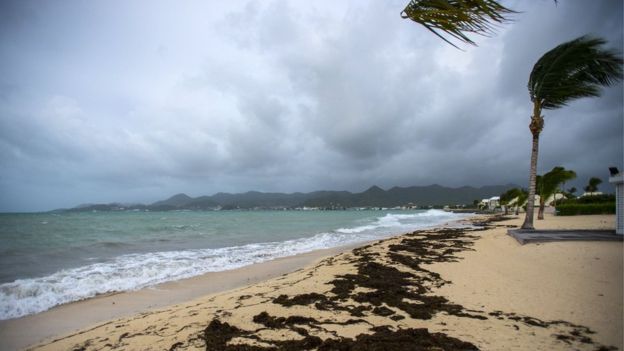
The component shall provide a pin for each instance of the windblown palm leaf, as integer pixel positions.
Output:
(508, 196)
(548, 184)
(522, 197)
(572, 70)
(551, 181)
(457, 17)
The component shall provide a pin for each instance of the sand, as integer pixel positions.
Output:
(435, 289)
(22, 332)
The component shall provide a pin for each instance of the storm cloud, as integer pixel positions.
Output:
(134, 101)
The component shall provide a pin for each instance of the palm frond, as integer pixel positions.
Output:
(457, 17)
(573, 70)
(549, 182)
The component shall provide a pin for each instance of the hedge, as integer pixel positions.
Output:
(585, 209)
(590, 199)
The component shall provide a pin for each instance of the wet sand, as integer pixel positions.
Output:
(443, 288)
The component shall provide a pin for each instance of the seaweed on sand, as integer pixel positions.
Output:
(217, 336)
(392, 284)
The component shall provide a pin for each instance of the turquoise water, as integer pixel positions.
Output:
(48, 259)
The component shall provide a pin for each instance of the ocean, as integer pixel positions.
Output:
(47, 259)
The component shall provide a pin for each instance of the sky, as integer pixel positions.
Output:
(134, 101)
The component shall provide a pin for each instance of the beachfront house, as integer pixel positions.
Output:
(617, 179)
(555, 198)
(490, 203)
(550, 202)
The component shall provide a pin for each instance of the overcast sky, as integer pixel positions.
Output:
(134, 101)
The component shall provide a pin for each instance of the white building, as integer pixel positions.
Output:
(618, 181)
(591, 194)
(490, 203)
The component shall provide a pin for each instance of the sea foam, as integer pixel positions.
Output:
(134, 271)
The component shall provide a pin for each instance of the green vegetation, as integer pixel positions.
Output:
(457, 17)
(592, 185)
(570, 193)
(587, 205)
(522, 200)
(585, 209)
(548, 184)
(507, 197)
(593, 199)
(516, 197)
(570, 71)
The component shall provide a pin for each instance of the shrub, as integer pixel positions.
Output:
(592, 199)
(572, 209)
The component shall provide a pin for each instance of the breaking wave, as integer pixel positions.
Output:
(134, 271)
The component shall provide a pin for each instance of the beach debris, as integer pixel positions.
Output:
(218, 334)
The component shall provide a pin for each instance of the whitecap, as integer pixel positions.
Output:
(135, 271)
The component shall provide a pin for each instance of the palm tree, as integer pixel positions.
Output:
(592, 185)
(548, 185)
(507, 197)
(457, 17)
(572, 70)
(523, 195)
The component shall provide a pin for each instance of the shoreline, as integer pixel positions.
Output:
(37, 280)
(477, 288)
(27, 331)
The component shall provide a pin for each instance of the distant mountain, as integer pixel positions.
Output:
(103, 208)
(431, 195)
(176, 200)
(421, 196)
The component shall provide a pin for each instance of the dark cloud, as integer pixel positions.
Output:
(134, 102)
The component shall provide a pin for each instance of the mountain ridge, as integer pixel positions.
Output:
(417, 196)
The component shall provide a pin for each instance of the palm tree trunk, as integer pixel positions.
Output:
(536, 126)
(528, 220)
(540, 212)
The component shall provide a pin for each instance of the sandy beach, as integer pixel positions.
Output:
(21, 332)
(445, 288)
